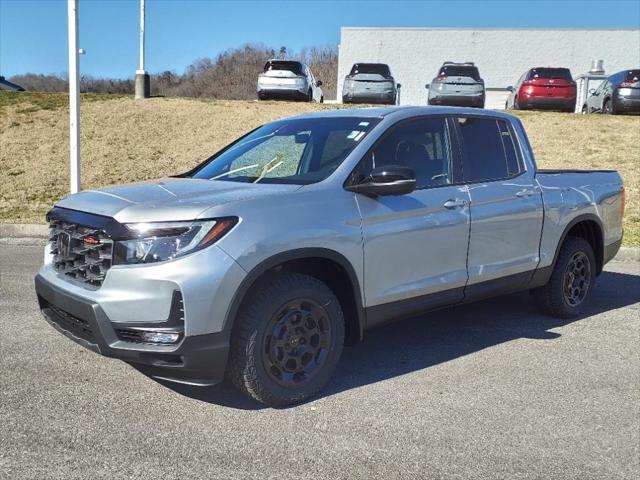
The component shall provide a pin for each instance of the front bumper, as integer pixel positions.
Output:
(197, 360)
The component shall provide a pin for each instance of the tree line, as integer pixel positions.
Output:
(231, 75)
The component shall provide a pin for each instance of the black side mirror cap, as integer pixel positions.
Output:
(510, 88)
(319, 83)
(398, 85)
(387, 180)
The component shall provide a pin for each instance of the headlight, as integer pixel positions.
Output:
(157, 242)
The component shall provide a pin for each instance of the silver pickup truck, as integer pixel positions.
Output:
(264, 260)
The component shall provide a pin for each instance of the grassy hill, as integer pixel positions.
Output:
(125, 140)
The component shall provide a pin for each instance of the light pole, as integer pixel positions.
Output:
(74, 97)
(143, 85)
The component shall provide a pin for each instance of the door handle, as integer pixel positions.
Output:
(525, 193)
(454, 203)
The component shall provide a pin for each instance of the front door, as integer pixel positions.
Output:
(415, 245)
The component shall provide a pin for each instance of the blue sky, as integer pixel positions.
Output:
(33, 33)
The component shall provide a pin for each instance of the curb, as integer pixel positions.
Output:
(31, 231)
(23, 230)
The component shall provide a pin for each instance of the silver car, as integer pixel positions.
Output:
(457, 84)
(290, 80)
(266, 259)
(370, 83)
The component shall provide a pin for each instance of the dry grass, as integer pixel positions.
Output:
(124, 141)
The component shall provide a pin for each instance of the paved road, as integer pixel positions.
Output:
(492, 390)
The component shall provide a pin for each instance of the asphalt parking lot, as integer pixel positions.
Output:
(491, 390)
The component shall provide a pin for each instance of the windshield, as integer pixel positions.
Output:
(300, 151)
(554, 73)
(374, 68)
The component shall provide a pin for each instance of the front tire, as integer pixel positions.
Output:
(287, 339)
(569, 289)
(607, 109)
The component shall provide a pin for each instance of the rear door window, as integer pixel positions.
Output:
(489, 150)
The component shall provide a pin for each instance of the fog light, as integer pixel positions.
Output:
(159, 337)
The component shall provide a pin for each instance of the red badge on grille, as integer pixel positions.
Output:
(91, 240)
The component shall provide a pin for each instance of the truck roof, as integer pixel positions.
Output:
(404, 112)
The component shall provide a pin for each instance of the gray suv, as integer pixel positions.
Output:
(370, 83)
(620, 93)
(265, 260)
(457, 84)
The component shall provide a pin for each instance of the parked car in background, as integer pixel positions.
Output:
(289, 80)
(620, 93)
(262, 262)
(457, 84)
(370, 83)
(544, 88)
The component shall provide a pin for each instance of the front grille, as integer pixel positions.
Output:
(80, 253)
(70, 323)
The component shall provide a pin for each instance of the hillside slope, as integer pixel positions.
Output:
(125, 140)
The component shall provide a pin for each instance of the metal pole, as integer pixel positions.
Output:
(142, 83)
(74, 97)
(141, 69)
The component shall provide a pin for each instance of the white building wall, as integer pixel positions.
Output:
(502, 55)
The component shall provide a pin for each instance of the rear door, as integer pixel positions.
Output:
(415, 245)
(506, 206)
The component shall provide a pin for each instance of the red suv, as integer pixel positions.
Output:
(544, 88)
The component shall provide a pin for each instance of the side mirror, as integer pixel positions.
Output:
(319, 83)
(592, 91)
(510, 88)
(399, 85)
(426, 85)
(387, 180)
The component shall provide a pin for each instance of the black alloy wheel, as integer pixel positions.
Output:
(287, 339)
(297, 342)
(571, 284)
(577, 279)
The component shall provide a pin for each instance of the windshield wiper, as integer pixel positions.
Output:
(234, 171)
(271, 165)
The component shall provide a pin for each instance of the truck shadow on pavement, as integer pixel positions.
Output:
(418, 343)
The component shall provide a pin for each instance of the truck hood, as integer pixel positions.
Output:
(168, 199)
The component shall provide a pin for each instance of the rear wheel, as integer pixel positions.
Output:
(569, 288)
(287, 340)
(516, 104)
(322, 99)
(585, 110)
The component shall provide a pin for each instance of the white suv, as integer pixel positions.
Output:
(291, 80)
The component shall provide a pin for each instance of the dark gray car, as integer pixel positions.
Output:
(370, 83)
(457, 84)
(620, 93)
